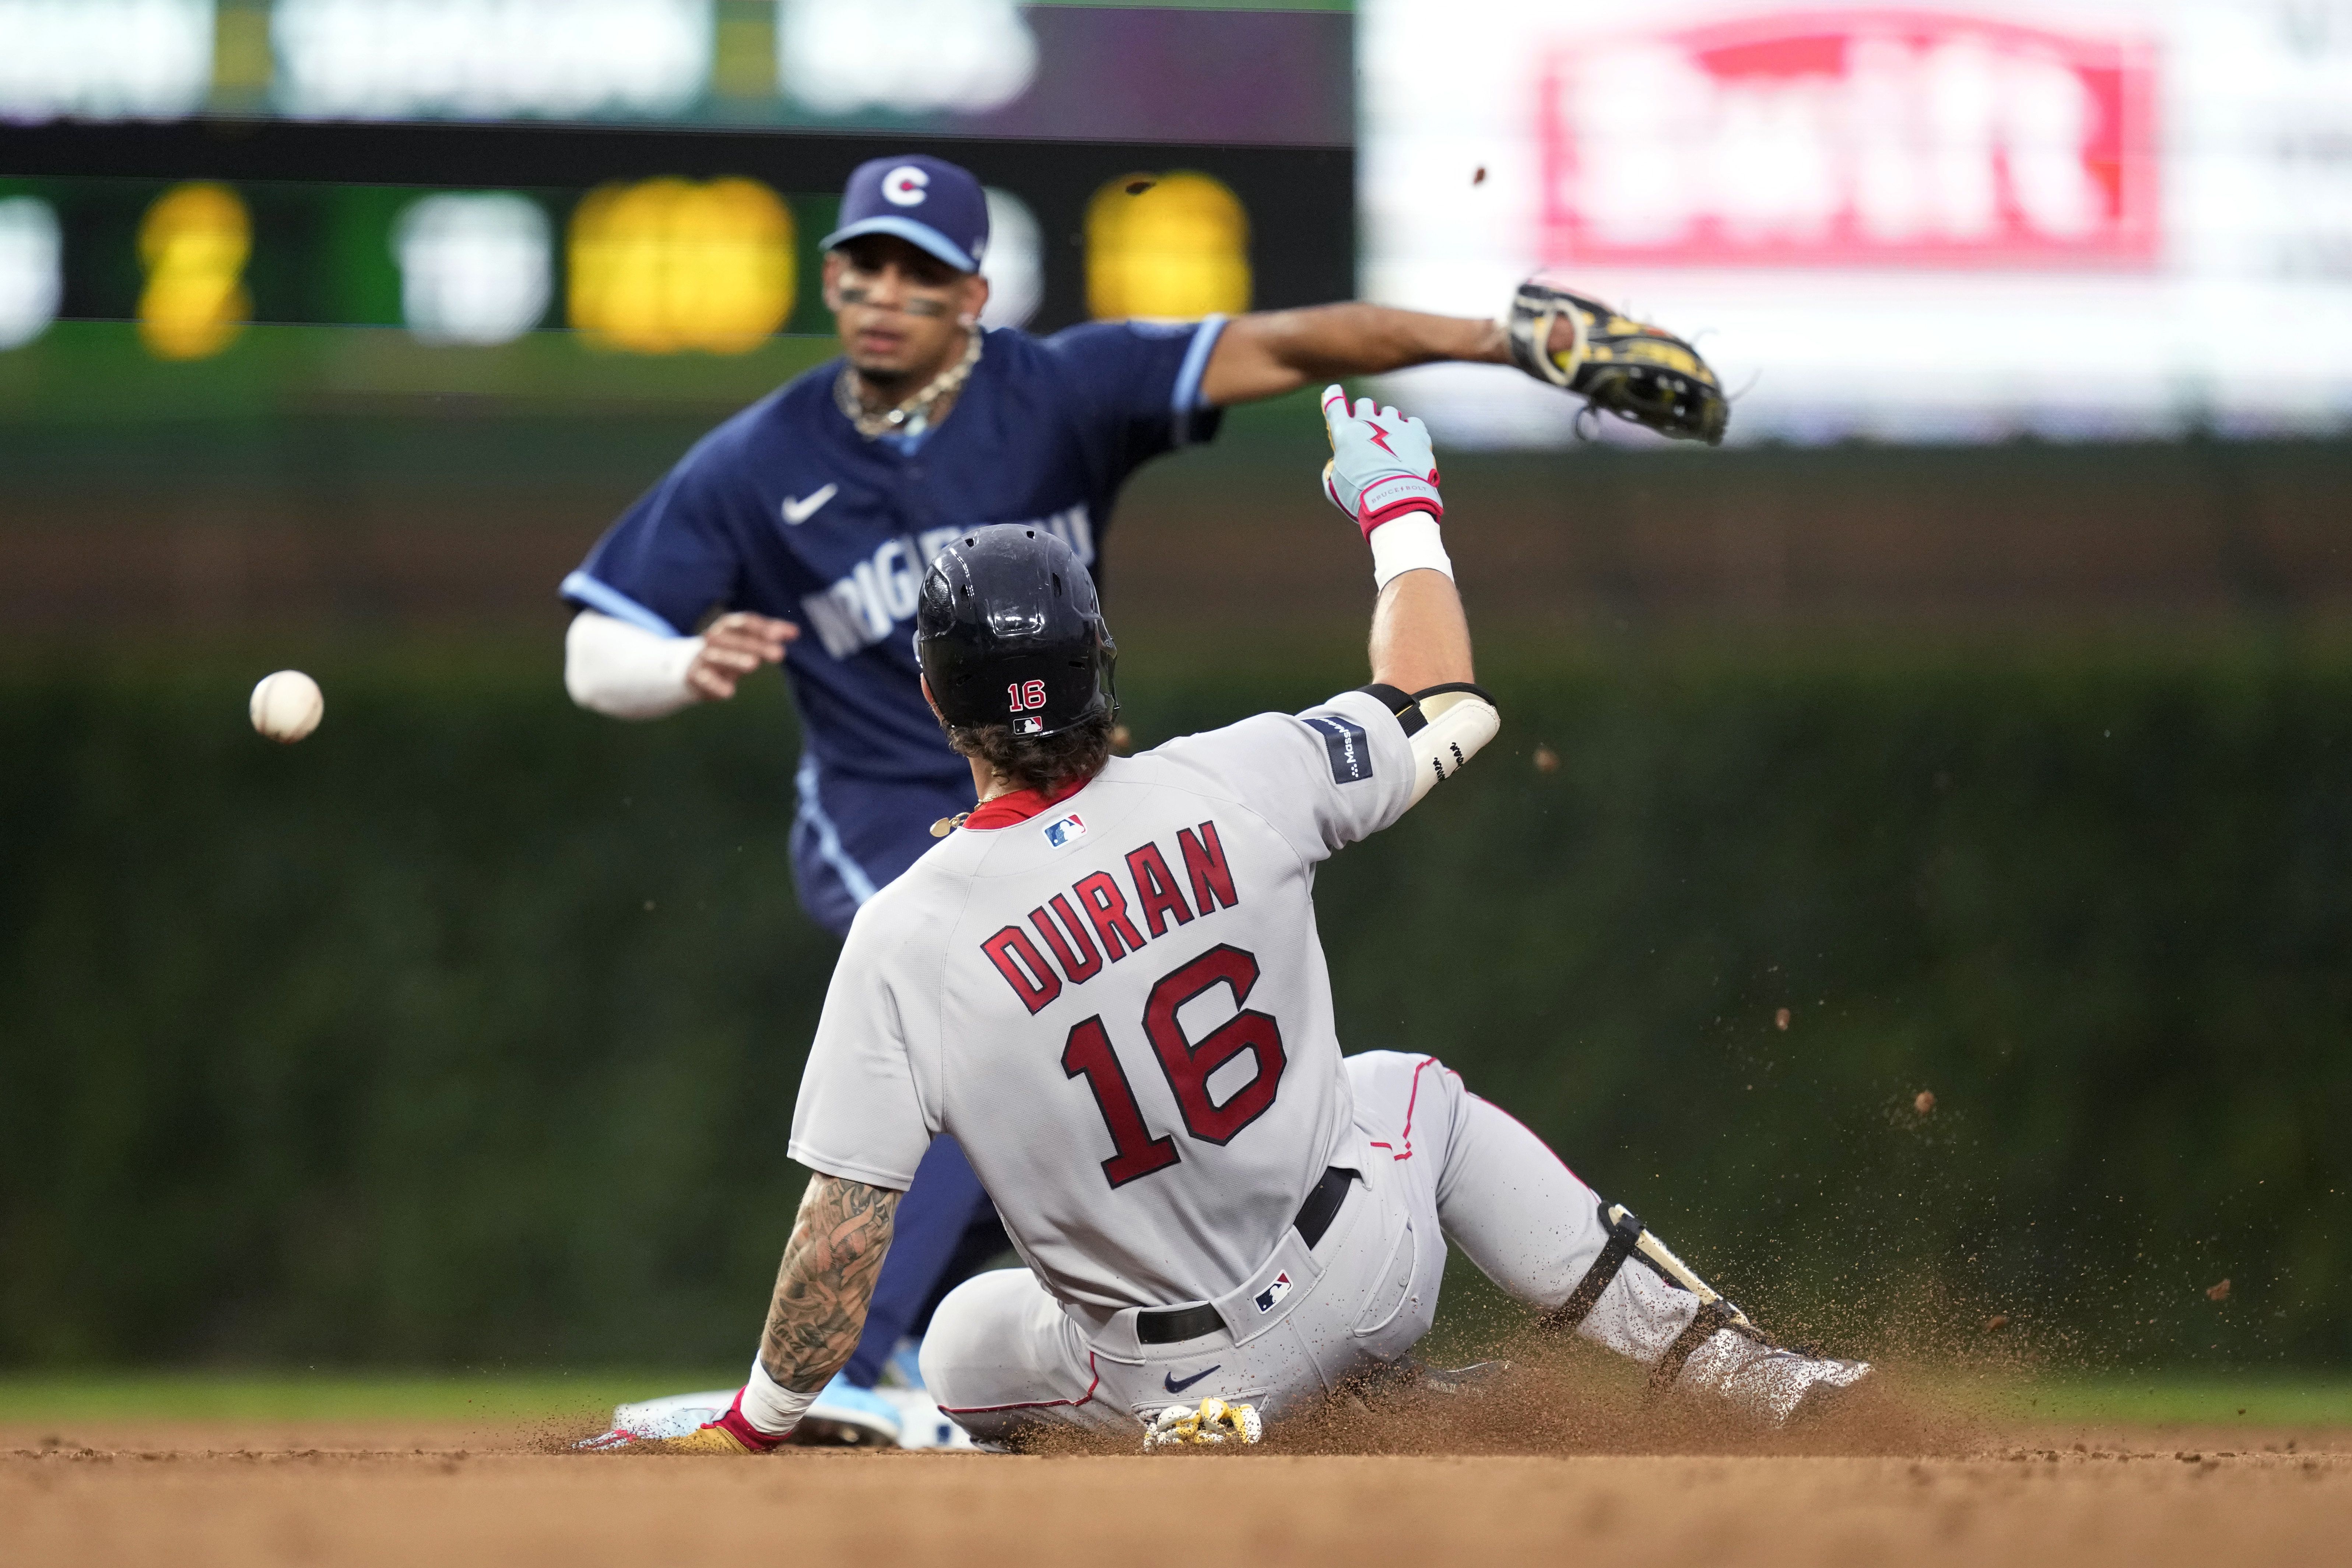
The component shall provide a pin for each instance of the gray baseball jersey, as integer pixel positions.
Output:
(1117, 1002)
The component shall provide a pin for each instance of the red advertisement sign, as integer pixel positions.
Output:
(1867, 138)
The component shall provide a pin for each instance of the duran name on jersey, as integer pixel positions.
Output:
(786, 510)
(1130, 1032)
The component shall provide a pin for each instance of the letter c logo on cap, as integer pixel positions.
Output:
(903, 186)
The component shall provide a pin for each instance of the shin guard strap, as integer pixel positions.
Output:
(1624, 1235)
(1710, 1317)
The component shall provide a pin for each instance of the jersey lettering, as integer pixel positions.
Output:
(1017, 959)
(1106, 906)
(862, 607)
(1134, 1153)
(1204, 863)
(1189, 1066)
(1095, 922)
(1077, 954)
(1155, 890)
(1074, 528)
(867, 601)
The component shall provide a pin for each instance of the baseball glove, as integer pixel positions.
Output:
(1618, 366)
(1216, 1422)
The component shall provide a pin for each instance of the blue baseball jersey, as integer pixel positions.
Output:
(786, 510)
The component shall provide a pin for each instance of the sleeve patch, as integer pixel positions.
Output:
(1351, 748)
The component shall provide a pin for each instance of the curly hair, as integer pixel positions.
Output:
(1044, 762)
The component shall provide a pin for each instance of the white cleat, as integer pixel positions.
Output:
(1779, 1387)
(921, 1424)
(843, 1416)
(656, 1420)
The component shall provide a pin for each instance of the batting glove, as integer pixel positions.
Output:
(1381, 464)
(735, 1429)
(1213, 1423)
(733, 1433)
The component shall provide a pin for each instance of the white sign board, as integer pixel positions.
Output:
(2075, 217)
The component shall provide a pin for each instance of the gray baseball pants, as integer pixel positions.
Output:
(1440, 1163)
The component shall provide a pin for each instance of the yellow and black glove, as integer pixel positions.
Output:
(1213, 1423)
(1617, 365)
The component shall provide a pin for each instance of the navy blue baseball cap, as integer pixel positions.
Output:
(928, 202)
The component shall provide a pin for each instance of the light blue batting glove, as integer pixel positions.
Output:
(1382, 464)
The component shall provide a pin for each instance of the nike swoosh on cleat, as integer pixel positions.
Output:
(797, 512)
(1176, 1387)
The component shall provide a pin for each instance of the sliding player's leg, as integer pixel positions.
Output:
(1003, 1359)
(1534, 1227)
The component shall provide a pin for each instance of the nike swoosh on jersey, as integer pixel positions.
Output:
(797, 512)
(1176, 1387)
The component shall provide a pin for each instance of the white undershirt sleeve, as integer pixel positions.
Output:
(613, 668)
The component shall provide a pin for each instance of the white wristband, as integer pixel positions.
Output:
(1407, 543)
(770, 1408)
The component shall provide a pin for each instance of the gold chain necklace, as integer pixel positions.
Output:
(947, 824)
(912, 415)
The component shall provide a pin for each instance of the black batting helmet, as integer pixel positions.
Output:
(1008, 632)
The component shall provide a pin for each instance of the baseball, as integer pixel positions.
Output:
(287, 706)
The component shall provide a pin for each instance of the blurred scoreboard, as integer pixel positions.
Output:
(2072, 218)
(1254, 72)
(651, 173)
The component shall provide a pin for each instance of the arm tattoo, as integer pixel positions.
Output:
(826, 1280)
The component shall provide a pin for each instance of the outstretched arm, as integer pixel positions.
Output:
(1269, 352)
(1383, 474)
(1420, 637)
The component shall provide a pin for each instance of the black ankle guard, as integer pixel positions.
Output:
(1710, 1317)
(1624, 1235)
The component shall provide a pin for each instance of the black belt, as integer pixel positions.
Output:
(1166, 1326)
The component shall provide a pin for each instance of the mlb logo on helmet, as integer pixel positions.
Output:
(1266, 1297)
(1065, 829)
(930, 203)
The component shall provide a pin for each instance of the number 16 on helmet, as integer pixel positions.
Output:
(1008, 631)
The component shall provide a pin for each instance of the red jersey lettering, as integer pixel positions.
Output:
(1106, 906)
(1076, 954)
(1024, 967)
(1155, 890)
(1204, 863)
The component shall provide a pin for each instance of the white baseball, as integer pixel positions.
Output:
(287, 706)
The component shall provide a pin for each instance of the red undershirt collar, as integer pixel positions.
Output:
(1022, 804)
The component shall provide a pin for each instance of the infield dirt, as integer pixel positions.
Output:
(1877, 1485)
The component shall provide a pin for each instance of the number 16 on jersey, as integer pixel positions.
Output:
(1187, 1065)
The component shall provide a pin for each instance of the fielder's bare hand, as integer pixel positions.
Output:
(733, 647)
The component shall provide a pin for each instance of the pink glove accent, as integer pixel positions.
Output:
(1375, 474)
